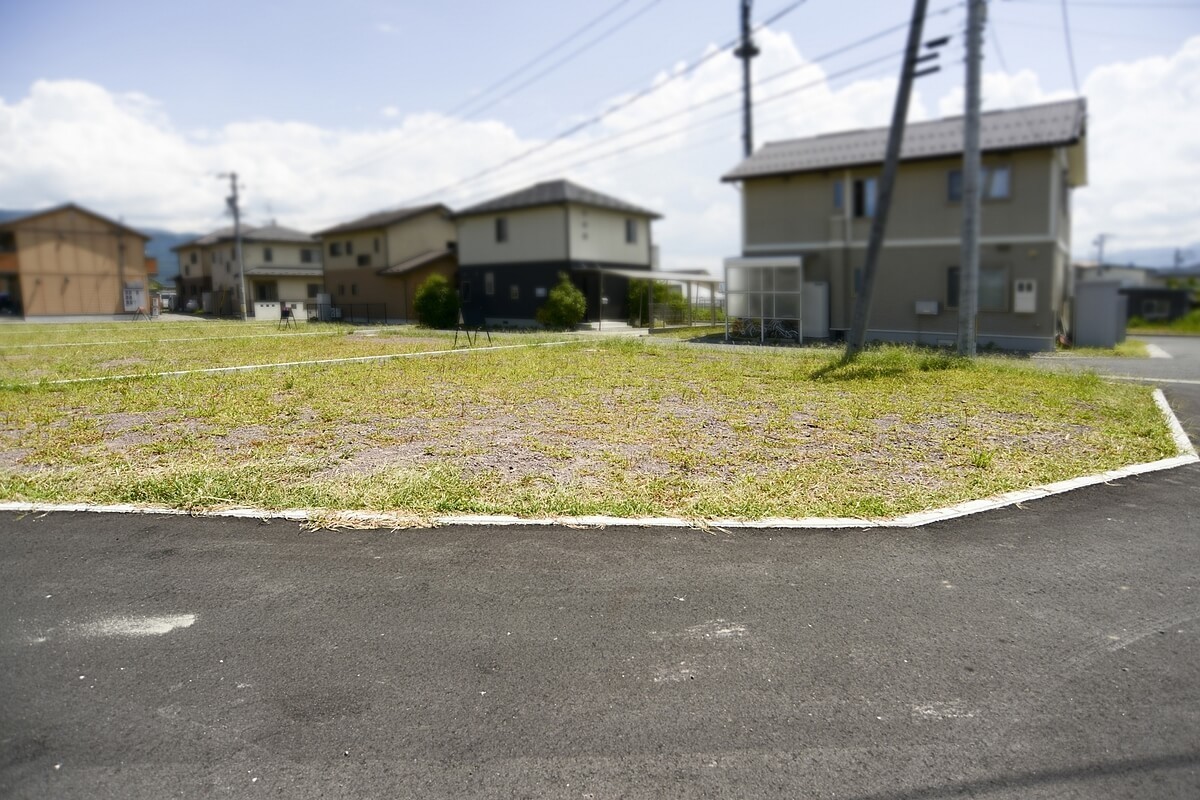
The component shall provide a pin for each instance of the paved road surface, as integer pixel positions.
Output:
(1051, 651)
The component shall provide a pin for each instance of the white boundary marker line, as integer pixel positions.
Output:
(1188, 455)
(156, 341)
(1154, 351)
(1140, 379)
(281, 364)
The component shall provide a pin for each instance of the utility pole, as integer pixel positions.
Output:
(232, 202)
(862, 306)
(1100, 240)
(968, 271)
(747, 51)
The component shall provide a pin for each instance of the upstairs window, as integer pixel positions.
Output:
(306, 256)
(349, 248)
(631, 231)
(268, 256)
(501, 229)
(839, 199)
(192, 257)
(376, 244)
(995, 183)
(866, 191)
(335, 248)
(364, 260)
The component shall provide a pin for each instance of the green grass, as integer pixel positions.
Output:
(1188, 324)
(1130, 348)
(619, 427)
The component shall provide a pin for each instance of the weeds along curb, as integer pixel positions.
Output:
(382, 521)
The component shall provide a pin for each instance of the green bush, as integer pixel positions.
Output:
(565, 306)
(436, 303)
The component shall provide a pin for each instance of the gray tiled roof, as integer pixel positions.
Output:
(1046, 125)
(419, 260)
(553, 193)
(381, 219)
(251, 233)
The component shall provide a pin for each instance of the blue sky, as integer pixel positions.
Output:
(290, 94)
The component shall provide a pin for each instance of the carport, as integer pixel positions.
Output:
(682, 312)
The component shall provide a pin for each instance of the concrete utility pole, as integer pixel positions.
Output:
(1100, 240)
(232, 202)
(747, 51)
(968, 271)
(862, 306)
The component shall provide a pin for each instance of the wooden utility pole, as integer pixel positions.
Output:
(234, 208)
(862, 306)
(968, 271)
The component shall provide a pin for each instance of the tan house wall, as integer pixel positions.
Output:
(397, 292)
(598, 234)
(798, 210)
(74, 264)
(535, 234)
(418, 235)
(372, 243)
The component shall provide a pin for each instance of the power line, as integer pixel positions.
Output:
(467, 103)
(604, 114)
(996, 47)
(1070, 47)
(570, 56)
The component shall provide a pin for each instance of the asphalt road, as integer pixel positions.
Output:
(1049, 651)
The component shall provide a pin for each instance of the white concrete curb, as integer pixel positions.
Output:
(1188, 455)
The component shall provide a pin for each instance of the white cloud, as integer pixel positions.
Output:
(120, 153)
(386, 28)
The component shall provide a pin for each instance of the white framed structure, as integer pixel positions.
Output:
(764, 295)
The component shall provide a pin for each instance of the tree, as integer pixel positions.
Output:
(436, 303)
(565, 305)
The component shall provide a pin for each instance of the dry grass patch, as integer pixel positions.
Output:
(614, 427)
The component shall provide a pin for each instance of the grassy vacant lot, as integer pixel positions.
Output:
(592, 427)
(1189, 325)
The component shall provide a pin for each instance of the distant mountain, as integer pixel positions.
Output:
(1158, 257)
(159, 246)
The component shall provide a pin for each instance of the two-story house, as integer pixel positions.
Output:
(811, 201)
(280, 265)
(68, 261)
(511, 249)
(375, 264)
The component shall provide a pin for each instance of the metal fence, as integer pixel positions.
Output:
(363, 313)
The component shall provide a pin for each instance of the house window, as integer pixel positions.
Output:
(464, 291)
(514, 292)
(313, 290)
(993, 288)
(1066, 193)
(335, 248)
(193, 257)
(501, 229)
(364, 260)
(306, 256)
(268, 256)
(349, 248)
(267, 292)
(354, 288)
(839, 191)
(228, 268)
(631, 231)
(489, 283)
(865, 195)
(1155, 308)
(376, 244)
(995, 183)
(186, 270)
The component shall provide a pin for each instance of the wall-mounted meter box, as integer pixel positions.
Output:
(1024, 296)
(927, 308)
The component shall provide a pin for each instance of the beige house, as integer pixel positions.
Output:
(807, 207)
(512, 248)
(375, 264)
(280, 264)
(68, 261)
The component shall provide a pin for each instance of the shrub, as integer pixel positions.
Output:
(565, 305)
(436, 303)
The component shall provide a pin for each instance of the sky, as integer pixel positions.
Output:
(331, 111)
